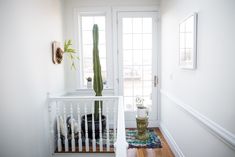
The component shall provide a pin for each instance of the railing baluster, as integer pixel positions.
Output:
(72, 128)
(66, 131)
(114, 121)
(86, 130)
(93, 129)
(100, 127)
(59, 146)
(107, 128)
(79, 130)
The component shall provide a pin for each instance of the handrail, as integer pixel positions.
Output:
(121, 144)
(74, 98)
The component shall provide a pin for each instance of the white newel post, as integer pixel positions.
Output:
(79, 129)
(72, 128)
(66, 131)
(86, 130)
(100, 127)
(107, 128)
(93, 129)
(59, 146)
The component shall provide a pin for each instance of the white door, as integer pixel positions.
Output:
(137, 57)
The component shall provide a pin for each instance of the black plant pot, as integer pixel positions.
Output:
(89, 126)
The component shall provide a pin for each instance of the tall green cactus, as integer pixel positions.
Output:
(98, 82)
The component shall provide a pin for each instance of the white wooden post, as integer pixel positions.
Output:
(93, 128)
(79, 130)
(59, 146)
(100, 127)
(66, 131)
(121, 144)
(107, 128)
(52, 131)
(86, 130)
(72, 129)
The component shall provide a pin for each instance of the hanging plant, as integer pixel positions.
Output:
(71, 53)
(58, 53)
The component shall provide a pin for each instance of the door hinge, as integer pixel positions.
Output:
(156, 81)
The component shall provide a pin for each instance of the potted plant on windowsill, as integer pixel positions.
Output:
(98, 88)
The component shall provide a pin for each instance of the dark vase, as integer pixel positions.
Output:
(89, 126)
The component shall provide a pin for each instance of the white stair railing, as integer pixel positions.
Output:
(73, 111)
(59, 146)
(93, 129)
(79, 130)
(66, 143)
(107, 128)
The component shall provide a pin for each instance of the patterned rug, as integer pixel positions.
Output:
(153, 141)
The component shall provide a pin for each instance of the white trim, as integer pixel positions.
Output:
(170, 140)
(135, 8)
(217, 130)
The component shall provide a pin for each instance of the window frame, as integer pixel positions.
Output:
(94, 11)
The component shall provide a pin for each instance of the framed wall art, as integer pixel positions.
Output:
(188, 42)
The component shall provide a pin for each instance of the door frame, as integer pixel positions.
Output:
(115, 12)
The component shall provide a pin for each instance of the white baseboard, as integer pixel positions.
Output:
(170, 140)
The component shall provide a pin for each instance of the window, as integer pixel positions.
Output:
(87, 23)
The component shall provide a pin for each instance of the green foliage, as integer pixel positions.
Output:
(71, 53)
(98, 82)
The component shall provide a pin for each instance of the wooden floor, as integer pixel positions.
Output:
(165, 151)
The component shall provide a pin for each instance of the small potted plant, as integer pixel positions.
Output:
(142, 111)
(89, 82)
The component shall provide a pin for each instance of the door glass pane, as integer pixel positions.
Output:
(137, 60)
(137, 41)
(137, 23)
(147, 25)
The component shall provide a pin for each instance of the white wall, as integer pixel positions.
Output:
(209, 89)
(69, 30)
(27, 29)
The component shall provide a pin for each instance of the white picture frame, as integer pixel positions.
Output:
(188, 42)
